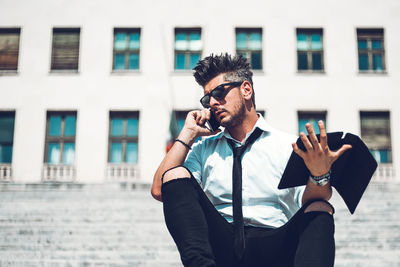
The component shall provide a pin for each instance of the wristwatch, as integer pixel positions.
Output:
(321, 180)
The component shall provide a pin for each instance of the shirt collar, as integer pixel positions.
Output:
(260, 123)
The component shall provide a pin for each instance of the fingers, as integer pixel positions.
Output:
(313, 137)
(203, 117)
(322, 135)
(200, 116)
(306, 142)
(343, 149)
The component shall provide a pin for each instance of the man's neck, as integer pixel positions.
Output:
(239, 132)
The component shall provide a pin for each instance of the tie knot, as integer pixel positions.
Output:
(238, 151)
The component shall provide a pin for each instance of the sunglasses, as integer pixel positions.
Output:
(218, 93)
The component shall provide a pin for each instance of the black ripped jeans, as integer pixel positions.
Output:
(204, 238)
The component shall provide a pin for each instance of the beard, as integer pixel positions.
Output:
(236, 117)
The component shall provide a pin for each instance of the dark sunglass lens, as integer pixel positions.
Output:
(218, 93)
(205, 101)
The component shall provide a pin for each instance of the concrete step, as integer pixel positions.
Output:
(109, 225)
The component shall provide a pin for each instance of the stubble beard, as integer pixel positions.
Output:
(237, 117)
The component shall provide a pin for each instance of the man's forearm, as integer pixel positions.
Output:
(313, 191)
(176, 156)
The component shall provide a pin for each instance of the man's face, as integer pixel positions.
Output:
(230, 110)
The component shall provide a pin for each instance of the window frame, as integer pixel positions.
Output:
(127, 51)
(249, 51)
(383, 114)
(11, 30)
(123, 139)
(310, 51)
(187, 52)
(61, 140)
(370, 34)
(64, 30)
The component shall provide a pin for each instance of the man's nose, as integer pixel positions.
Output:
(214, 102)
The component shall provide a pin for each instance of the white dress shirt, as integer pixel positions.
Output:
(263, 163)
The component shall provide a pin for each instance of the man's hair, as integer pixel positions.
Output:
(235, 69)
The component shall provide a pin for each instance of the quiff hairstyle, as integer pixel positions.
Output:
(235, 69)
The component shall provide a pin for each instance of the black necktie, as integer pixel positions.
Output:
(238, 226)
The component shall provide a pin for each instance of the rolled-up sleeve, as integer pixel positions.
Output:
(193, 161)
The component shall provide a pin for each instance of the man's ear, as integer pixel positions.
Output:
(247, 90)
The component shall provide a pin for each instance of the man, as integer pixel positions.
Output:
(221, 202)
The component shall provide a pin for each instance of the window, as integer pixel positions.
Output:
(312, 117)
(9, 48)
(310, 50)
(180, 118)
(249, 45)
(123, 137)
(65, 49)
(6, 136)
(371, 52)
(60, 138)
(187, 48)
(126, 49)
(375, 132)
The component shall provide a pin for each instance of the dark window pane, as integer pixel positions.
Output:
(69, 153)
(120, 41)
(381, 155)
(134, 41)
(316, 61)
(116, 127)
(181, 123)
(116, 153)
(131, 153)
(363, 62)
(362, 44)
(377, 62)
(302, 61)
(384, 155)
(70, 126)
(134, 61)
(255, 41)
(6, 129)
(119, 62)
(132, 128)
(194, 58)
(180, 61)
(316, 42)
(195, 41)
(256, 60)
(53, 154)
(241, 40)
(302, 44)
(181, 42)
(5, 153)
(313, 120)
(376, 44)
(55, 126)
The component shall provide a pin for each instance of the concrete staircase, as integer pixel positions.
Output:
(371, 236)
(109, 225)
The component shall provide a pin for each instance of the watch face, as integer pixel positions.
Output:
(320, 182)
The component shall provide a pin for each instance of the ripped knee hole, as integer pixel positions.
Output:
(175, 173)
(319, 206)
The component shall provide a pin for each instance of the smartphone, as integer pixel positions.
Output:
(213, 123)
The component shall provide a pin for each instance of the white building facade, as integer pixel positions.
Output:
(87, 87)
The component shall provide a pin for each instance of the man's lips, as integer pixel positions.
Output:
(219, 113)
